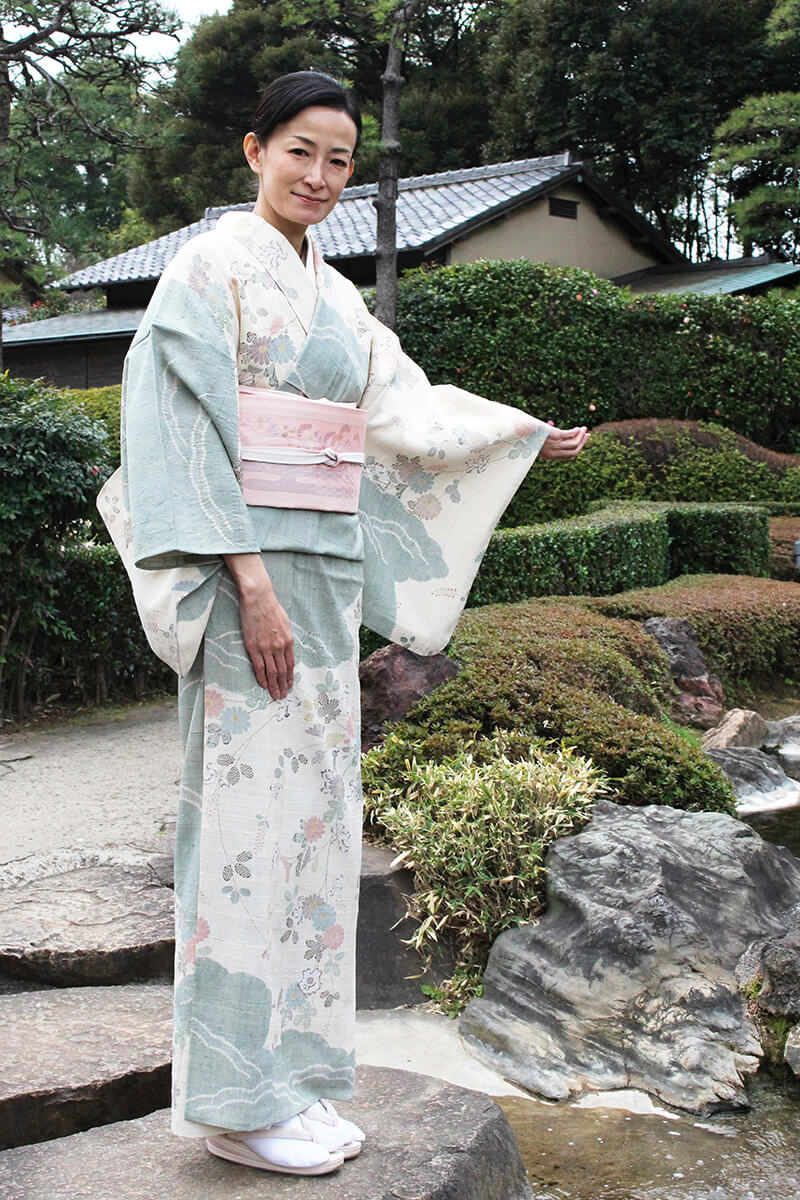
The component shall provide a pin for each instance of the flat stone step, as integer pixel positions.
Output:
(71, 1057)
(102, 921)
(427, 1140)
(106, 917)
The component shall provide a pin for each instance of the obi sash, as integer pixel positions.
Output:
(300, 453)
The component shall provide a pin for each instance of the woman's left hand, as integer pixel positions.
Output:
(564, 443)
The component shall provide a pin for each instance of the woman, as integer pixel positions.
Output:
(258, 607)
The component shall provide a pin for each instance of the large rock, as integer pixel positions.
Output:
(787, 745)
(791, 1053)
(106, 921)
(427, 1140)
(700, 700)
(738, 727)
(629, 979)
(758, 779)
(392, 680)
(780, 974)
(77, 1057)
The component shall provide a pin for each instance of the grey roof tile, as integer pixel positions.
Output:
(106, 322)
(428, 206)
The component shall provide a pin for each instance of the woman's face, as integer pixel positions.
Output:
(302, 169)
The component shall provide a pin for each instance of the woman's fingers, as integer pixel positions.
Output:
(564, 443)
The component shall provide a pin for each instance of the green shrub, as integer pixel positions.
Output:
(731, 539)
(559, 670)
(566, 345)
(747, 628)
(661, 461)
(475, 829)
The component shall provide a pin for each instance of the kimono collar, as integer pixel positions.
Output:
(277, 256)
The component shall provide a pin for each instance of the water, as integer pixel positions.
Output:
(573, 1153)
(780, 826)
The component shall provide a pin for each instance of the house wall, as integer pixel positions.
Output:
(78, 364)
(592, 242)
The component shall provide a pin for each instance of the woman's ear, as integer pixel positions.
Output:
(351, 168)
(252, 152)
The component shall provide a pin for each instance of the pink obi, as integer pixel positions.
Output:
(299, 453)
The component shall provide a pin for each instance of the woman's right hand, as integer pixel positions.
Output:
(266, 629)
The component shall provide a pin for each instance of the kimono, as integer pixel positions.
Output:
(267, 857)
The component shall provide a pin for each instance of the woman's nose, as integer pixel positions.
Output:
(314, 174)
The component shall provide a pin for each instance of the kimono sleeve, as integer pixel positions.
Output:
(441, 467)
(180, 438)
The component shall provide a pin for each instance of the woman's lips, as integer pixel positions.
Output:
(309, 199)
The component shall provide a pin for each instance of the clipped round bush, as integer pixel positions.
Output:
(554, 670)
(475, 829)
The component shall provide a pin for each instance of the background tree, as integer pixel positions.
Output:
(637, 87)
(221, 71)
(50, 49)
(758, 148)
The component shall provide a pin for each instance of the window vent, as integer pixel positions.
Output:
(563, 208)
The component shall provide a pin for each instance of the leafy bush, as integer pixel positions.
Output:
(655, 460)
(101, 404)
(567, 345)
(615, 548)
(50, 464)
(475, 831)
(747, 628)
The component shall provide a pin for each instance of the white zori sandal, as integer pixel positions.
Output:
(289, 1147)
(332, 1131)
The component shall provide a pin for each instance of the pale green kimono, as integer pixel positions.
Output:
(268, 838)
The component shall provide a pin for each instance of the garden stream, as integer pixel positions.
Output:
(574, 1152)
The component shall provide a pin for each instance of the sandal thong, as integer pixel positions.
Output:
(230, 1146)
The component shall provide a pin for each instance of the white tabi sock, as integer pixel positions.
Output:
(329, 1129)
(287, 1152)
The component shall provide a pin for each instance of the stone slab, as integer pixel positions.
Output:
(71, 1057)
(426, 1140)
(104, 922)
(388, 972)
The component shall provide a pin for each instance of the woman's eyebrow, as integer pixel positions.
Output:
(311, 142)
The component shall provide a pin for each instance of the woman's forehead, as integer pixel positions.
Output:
(331, 127)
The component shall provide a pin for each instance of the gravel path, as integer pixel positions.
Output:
(89, 782)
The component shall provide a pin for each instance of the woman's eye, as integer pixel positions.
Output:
(338, 162)
(298, 150)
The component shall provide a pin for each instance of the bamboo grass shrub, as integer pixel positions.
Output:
(475, 828)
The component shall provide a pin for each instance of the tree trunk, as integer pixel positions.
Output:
(5, 129)
(389, 169)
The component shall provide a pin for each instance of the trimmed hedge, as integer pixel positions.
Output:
(567, 345)
(559, 670)
(747, 628)
(783, 533)
(621, 546)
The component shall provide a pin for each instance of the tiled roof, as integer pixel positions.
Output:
(431, 209)
(718, 278)
(106, 322)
